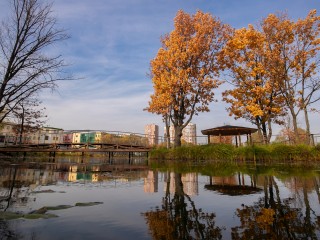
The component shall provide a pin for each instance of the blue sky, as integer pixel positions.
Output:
(110, 47)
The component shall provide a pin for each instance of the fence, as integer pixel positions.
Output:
(313, 139)
(119, 137)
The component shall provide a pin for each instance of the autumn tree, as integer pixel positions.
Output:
(274, 70)
(294, 48)
(307, 33)
(25, 66)
(185, 69)
(29, 116)
(256, 95)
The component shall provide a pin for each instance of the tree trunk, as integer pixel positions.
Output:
(177, 136)
(306, 117)
(269, 130)
(259, 130)
(167, 123)
(295, 127)
(21, 126)
(264, 133)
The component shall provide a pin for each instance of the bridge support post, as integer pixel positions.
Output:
(130, 157)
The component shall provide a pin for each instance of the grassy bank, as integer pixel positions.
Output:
(217, 152)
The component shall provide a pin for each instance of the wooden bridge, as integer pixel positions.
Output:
(82, 148)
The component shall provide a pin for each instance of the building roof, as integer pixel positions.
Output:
(228, 130)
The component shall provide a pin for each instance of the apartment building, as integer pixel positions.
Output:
(85, 137)
(189, 134)
(151, 132)
(49, 135)
(9, 134)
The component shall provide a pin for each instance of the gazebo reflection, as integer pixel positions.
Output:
(232, 186)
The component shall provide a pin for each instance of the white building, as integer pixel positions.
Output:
(171, 132)
(190, 183)
(151, 132)
(189, 133)
(48, 135)
(9, 135)
(151, 182)
(76, 137)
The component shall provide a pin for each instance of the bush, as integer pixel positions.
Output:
(225, 152)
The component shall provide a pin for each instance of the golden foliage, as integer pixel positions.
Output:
(273, 69)
(186, 67)
(265, 218)
(256, 92)
(160, 224)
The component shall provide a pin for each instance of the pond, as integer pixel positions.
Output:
(72, 198)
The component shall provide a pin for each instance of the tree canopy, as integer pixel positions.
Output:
(185, 69)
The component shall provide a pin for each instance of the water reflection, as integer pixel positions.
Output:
(245, 202)
(233, 185)
(274, 217)
(17, 181)
(178, 217)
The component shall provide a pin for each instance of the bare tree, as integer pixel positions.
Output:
(25, 68)
(29, 117)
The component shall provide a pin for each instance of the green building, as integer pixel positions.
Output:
(88, 137)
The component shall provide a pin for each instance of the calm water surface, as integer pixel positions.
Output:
(141, 201)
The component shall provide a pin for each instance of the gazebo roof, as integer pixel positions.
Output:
(228, 130)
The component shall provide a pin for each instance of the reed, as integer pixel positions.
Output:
(224, 152)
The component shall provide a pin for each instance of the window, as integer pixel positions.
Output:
(46, 138)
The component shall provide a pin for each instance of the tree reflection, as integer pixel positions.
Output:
(14, 187)
(178, 217)
(6, 199)
(274, 218)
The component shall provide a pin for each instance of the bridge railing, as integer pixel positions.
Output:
(129, 138)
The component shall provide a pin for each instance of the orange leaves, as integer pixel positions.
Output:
(273, 67)
(265, 218)
(184, 70)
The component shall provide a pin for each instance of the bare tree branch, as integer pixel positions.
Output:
(25, 68)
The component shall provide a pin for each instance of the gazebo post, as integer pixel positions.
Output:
(239, 139)
(220, 137)
(208, 139)
(236, 141)
(251, 143)
(247, 139)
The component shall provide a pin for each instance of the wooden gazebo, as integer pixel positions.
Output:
(229, 130)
